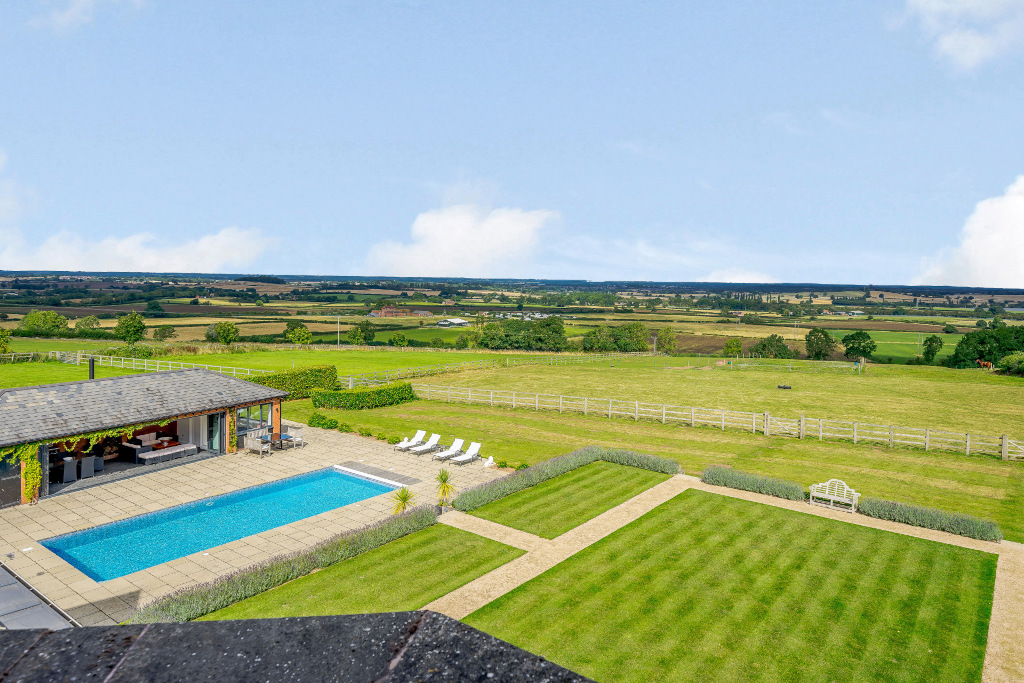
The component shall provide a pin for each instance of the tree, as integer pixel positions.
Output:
(362, 333)
(164, 332)
(44, 322)
(154, 308)
(5, 341)
(981, 324)
(461, 342)
(631, 337)
(820, 344)
(398, 339)
(437, 343)
(733, 347)
(226, 333)
(89, 322)
(131, 328)
(949, 328)
(194, 301)
(859, 345)
(931, 347)
(598, 340)
(299, 335)
(772, 346)
(666, 342)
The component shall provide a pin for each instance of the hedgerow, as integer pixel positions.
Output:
(301, 382)
(480, 495)
(364, 397)
(735, 479)
(930, 518)
(193, 602)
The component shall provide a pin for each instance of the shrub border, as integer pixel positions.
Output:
(192, 602)
(488, 492)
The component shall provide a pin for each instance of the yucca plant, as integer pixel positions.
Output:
(445, 490)
(403, 499)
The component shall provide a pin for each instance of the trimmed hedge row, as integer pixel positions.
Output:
(931, 518)
(745, 481)
(480, 495)
(364, 397)
(193, 602)
(299, 383)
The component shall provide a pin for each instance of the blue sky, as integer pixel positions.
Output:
(862, 141)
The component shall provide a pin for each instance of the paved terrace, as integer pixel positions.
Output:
(110, 602)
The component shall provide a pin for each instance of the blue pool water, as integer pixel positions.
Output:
(130, 545)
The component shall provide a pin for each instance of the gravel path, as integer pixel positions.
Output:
(1004, 656)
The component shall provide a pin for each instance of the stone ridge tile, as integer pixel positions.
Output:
(444, 649)
(74, 654)
(14, 644)
(338, 648)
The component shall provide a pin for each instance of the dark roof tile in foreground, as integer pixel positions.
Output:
(51, 411)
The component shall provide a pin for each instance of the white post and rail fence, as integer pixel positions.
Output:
(803, 427)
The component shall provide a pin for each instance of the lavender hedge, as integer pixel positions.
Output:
(193, 602)
(480, 495)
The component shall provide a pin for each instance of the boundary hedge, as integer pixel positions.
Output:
(299, 383)
(488, 492)
(746, 481)
(931, 518)
(364, 397)
(193, 602)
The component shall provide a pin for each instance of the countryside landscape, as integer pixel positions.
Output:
(533, 342)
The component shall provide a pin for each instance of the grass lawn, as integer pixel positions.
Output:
(25, 344)
(911, 396)
(28, 374)
(403, 575)
(978, 485)
(712, 588)
(554, 506)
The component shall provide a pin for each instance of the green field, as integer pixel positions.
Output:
(902, 346)
(348, 362)
(400, 576)
(913, 396)
(979, 485)
(554, 506)
(712, 588)
(28, 374)
(25, 344)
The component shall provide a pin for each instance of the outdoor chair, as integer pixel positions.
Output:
(293, 435)
(428, 446)
(87, 466)
(97, 464)
(406, 444)
(454, 449)
(70, 470)
(257, 445)
(469, 456)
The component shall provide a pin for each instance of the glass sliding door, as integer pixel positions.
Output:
(213, 429)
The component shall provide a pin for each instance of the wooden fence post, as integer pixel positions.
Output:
(449, 394)
(609, 408)
(470, 397)
(513, 400)
(821, 429)
(693, 416)
(927, 439)
(723, 420)
(855, 432)
(636, 412)
(767, 427)
(536, 401)
(753, 423)
(663, 414)
(891, 436)
(967, 447)
(584, 405)
(803, 425)
(1005, 448)
(492, 398)
(559, 404)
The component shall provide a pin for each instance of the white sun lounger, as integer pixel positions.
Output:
(469, 456)
(454, 449)
(407, 443)
(428, 446)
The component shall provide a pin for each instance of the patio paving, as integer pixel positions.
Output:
(94, 603)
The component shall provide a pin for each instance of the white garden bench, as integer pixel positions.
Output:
(834, 493)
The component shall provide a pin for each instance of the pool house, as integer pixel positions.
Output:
(100, 427)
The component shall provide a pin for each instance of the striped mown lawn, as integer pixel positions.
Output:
(403, 575)
(712, 588)
(554, 506)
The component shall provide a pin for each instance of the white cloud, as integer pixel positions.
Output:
(991, 249)
(75, 13)
(230, 249)
(970, 32)
(736, 275)
(465, 240)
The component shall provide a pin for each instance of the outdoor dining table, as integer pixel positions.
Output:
(276, 439)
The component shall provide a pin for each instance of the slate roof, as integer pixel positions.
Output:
(50, 411)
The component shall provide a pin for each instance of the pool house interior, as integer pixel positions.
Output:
(94, 429)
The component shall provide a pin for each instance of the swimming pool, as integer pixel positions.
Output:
(130, 545)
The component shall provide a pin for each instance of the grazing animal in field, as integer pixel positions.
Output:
(785, 386)
(984, 364)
